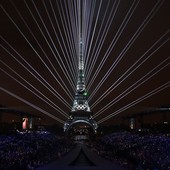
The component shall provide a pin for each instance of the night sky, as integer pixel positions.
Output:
(39, 43)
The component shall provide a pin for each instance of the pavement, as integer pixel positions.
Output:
(66, 163)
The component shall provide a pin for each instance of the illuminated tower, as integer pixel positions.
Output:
(80, 102)
(80, 111)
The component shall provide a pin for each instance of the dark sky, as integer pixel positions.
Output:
(39, 40)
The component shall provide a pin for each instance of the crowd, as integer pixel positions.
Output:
(31, 150)
(135, 151)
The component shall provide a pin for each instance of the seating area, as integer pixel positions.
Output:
(30, 150)
(131, 150)
(135, 150)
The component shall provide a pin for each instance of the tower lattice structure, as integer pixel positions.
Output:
(80, 111)
(80, 102)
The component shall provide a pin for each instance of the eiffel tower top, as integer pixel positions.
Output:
(80, 102)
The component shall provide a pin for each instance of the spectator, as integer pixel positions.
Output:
(31, 150)
(149, 151)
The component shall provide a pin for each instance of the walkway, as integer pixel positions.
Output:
(81, 158)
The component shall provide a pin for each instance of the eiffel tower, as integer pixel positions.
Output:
(80, 112)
